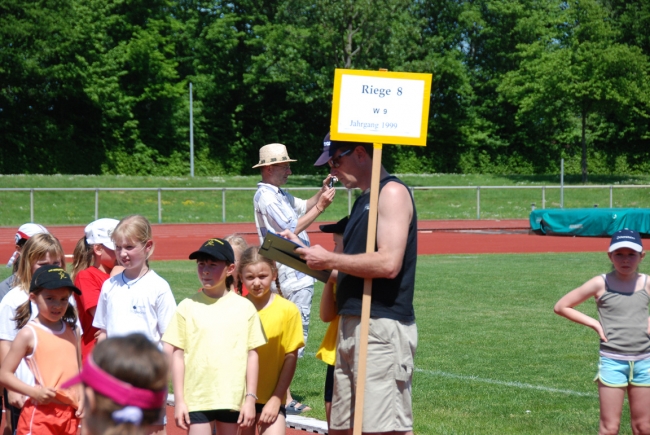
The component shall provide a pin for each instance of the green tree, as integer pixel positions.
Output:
(576, 71)
(301, 48)
(46, 119)
(132, 77)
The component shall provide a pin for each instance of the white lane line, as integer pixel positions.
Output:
(495, 382)
(504, 383)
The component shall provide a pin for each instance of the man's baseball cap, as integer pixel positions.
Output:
(626, 239)
(337, 228)
(99, 232)
(329, 149)
(25, 232)
(51, 277)
(217, 248)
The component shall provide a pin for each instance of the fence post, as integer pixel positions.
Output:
(478, 202)
(96, 204)
(159, 206)
(349, 201)
(562, 185)
(223, 205)
(31, 205)
(543, 197)
(611, 196)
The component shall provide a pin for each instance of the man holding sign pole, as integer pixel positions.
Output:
(393, 334)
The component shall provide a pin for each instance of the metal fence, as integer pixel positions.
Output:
(478, 189)
(223, 190)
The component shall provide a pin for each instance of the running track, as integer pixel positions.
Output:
(177, 241)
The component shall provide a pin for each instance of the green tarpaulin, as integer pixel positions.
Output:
(590, 221)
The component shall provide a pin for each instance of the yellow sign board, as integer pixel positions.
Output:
(380, 107)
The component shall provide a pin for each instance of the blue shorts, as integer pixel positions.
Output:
(619, 373)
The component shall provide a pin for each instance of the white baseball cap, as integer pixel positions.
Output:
(99, 232)
(25, 232)
(28, 230)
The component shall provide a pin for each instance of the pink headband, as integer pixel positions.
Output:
(119, 391)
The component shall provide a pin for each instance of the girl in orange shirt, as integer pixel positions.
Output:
(50, 345)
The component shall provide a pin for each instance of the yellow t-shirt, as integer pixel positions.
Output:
(327, 350)
(215, 335)
(283, 327)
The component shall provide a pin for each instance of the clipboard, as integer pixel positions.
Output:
(283, 251)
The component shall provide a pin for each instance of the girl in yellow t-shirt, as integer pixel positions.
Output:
(283, 328)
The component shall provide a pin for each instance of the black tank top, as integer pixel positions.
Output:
(391, 298)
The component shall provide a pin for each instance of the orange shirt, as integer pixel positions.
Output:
(55, 360)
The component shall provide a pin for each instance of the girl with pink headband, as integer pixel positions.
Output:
(125, 386)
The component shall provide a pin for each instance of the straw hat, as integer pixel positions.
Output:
(272, 154)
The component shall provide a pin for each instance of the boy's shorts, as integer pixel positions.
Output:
(220, 415)
(389, 373)
(619, 373)
(52, 418)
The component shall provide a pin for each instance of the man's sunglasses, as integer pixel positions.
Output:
(335, 162)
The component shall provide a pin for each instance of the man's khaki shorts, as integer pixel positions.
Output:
(389, 371)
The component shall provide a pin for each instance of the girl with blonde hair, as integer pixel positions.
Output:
(40, 250)
(138, 299)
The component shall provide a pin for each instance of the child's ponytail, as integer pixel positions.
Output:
(82, 257)
(70, 316)
(277, 286)
(23, 314)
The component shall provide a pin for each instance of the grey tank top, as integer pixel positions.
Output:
(624, 317)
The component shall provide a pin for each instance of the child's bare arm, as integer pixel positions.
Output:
(328, 308)
(4, 348)
(22, 345)
(100, 335)
(247, 413)
(270, 412)
(181, 414)
(566, 305)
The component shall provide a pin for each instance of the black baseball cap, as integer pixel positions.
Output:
(329, 149)
(337, 228)
(51, 277)
(217, 248)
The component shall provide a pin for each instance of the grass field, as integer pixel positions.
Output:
(492, 358)
(78, 207)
